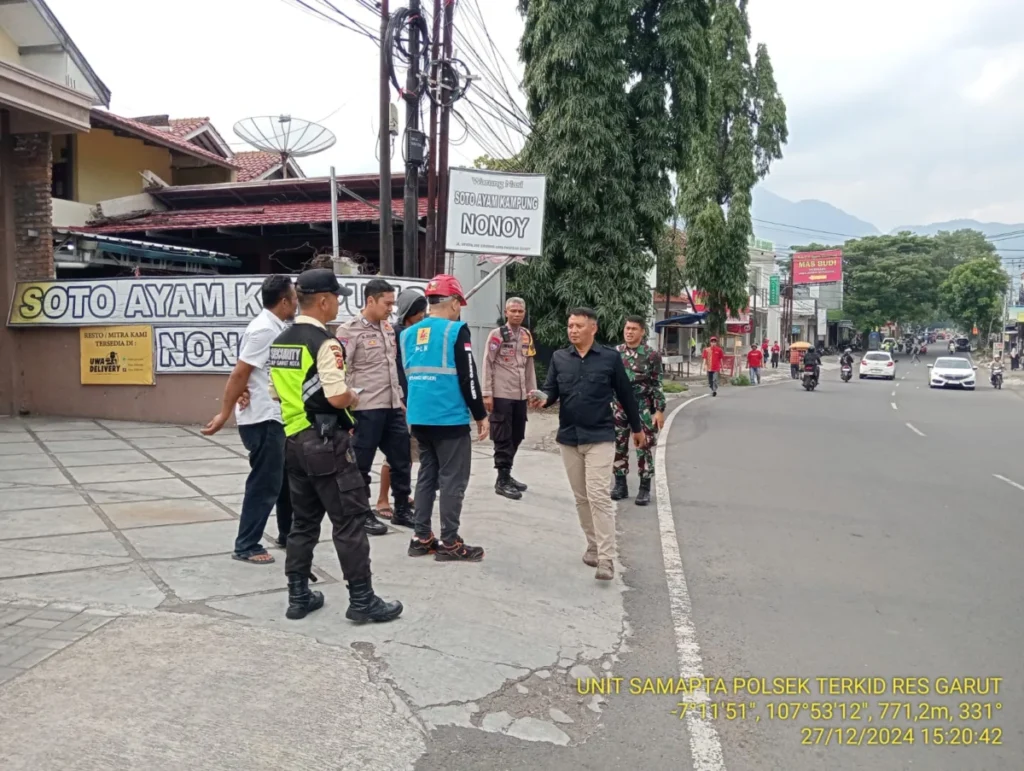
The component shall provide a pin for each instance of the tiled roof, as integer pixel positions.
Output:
(157, 137)
(306, 212)
(184, 126)
(254, 164)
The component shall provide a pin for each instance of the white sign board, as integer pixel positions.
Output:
(184, 300)
(204, 350)
(495, 212)
(822, 321)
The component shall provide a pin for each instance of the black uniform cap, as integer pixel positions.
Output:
(320, 280)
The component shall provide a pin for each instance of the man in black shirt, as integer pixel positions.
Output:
(587, 378)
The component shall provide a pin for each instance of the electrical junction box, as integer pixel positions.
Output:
(415, 147)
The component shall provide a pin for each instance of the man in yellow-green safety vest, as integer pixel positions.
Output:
(307, 375)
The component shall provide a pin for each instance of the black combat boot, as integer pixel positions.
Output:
(520, 486)
(300, 599)
(403, 515)
(621, 488)
(373, 525)
(504, 485)
(643, 495)
(364, 605)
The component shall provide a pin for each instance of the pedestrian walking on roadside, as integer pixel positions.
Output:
(586, 378)
(1014, 358)
(775, 354)
(410, 309)
(764, 351)
(372, 367)
(712, 359)
(509, 376)
(645, 372)
(755, 360)
(795, 359)
(307, 375)
(444, 392)
(259, 424)
(693, 347)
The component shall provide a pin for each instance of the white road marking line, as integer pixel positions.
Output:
(893, 393)
(705, 746)
(1001, 478)
(916, 431)
(893, 405)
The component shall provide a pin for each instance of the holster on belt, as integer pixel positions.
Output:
(326, 426)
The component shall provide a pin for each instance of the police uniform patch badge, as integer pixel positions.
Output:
(372, 342)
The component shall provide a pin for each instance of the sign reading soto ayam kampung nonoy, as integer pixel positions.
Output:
(197, 322)
(495, 212)
(824, 267)
(184, 300)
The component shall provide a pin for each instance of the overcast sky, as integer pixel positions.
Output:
(900, 111)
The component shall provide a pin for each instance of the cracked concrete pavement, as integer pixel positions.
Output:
(137, 521)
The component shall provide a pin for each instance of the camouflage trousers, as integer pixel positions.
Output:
(623, 440)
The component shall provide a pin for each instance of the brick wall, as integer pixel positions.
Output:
(33, 206)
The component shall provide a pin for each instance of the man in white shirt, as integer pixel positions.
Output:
(259, 423)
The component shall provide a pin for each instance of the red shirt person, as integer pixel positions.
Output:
(755, 360)
(713, 356)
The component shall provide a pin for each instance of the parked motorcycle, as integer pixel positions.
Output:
(996, 378)
(846, 372)
(810, 378)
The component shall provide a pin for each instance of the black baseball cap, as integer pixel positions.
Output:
(320, 280)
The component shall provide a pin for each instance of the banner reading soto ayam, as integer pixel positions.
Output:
(197, 321)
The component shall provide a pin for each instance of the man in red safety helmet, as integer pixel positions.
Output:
(443, 393)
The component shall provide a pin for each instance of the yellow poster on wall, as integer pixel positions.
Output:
(116, 355)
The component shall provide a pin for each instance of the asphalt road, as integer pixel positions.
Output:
(820, 535)
(857, 531)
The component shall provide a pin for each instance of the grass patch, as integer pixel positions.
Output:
(740, 380)
(672, 387)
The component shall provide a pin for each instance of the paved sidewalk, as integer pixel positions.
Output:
(135, 522)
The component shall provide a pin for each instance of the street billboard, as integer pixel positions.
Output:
(824, 267)
(495, 212)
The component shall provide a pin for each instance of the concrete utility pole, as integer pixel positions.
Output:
(387, 246)
(435, 55)
(442, 160)
(410, 251)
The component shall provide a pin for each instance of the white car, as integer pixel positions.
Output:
(878, 364)
(952, 372)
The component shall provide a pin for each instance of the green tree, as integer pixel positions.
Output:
(954, 248)
(891, 278)
(745, 135)
(514, 163)
(615, 92)
(973, 293)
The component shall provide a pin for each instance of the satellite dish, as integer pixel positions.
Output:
(287, 136)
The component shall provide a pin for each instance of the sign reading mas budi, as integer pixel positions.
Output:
(496, 212)
(208, 300)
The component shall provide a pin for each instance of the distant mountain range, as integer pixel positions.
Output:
(788, 223)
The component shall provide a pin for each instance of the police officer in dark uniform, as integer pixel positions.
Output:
(307, 375)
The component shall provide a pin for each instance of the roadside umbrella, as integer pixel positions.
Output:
(801, 345)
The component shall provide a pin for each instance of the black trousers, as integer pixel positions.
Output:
(387, 430)
(508, 429)
(323, 476)
(446, 458)
(284, 510)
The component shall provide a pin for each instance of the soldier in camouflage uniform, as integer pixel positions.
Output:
(643, 366)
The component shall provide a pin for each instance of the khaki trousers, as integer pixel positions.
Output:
(589, 467)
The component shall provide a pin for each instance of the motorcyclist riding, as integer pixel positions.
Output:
(812, 358)
(847, 358)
